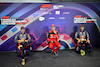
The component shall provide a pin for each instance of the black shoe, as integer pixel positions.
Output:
(89, 50)
(52, 53)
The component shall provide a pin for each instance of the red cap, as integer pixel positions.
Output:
(81, 25)
(22, 28)
(53, 25)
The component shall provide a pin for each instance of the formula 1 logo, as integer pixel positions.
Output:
(80, 19)
(45, 7)
(6, 20)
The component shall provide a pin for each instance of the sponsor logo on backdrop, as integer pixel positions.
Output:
(41, 18)
(61, 17)
(57, 6)
(66, 13)
(6, 20)
(36, 14)
(51, 18)
(80, 19)
(47, 13)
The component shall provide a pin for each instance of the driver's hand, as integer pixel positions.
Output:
(79, 41)
(22, 40)
(54, 31)
(26, 40)
(51, 41)
(88, 41)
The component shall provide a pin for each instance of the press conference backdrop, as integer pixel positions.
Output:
(38, 17)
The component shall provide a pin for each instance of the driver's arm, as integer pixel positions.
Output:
(87, 37)
(16, 39)
(76, 36)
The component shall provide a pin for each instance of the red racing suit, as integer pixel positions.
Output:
(51, 36)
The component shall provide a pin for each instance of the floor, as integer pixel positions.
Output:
(66, 58)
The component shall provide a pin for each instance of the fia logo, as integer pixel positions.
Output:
(57, 12)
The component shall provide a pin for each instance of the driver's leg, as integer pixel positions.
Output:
(88, 47)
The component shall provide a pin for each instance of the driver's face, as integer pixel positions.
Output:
(53, 27)
(23, 31)
(82, 28)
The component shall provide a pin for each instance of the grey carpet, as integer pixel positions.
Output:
(67, 58)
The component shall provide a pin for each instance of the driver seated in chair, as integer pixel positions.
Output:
(22, 40)
(83, 42)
